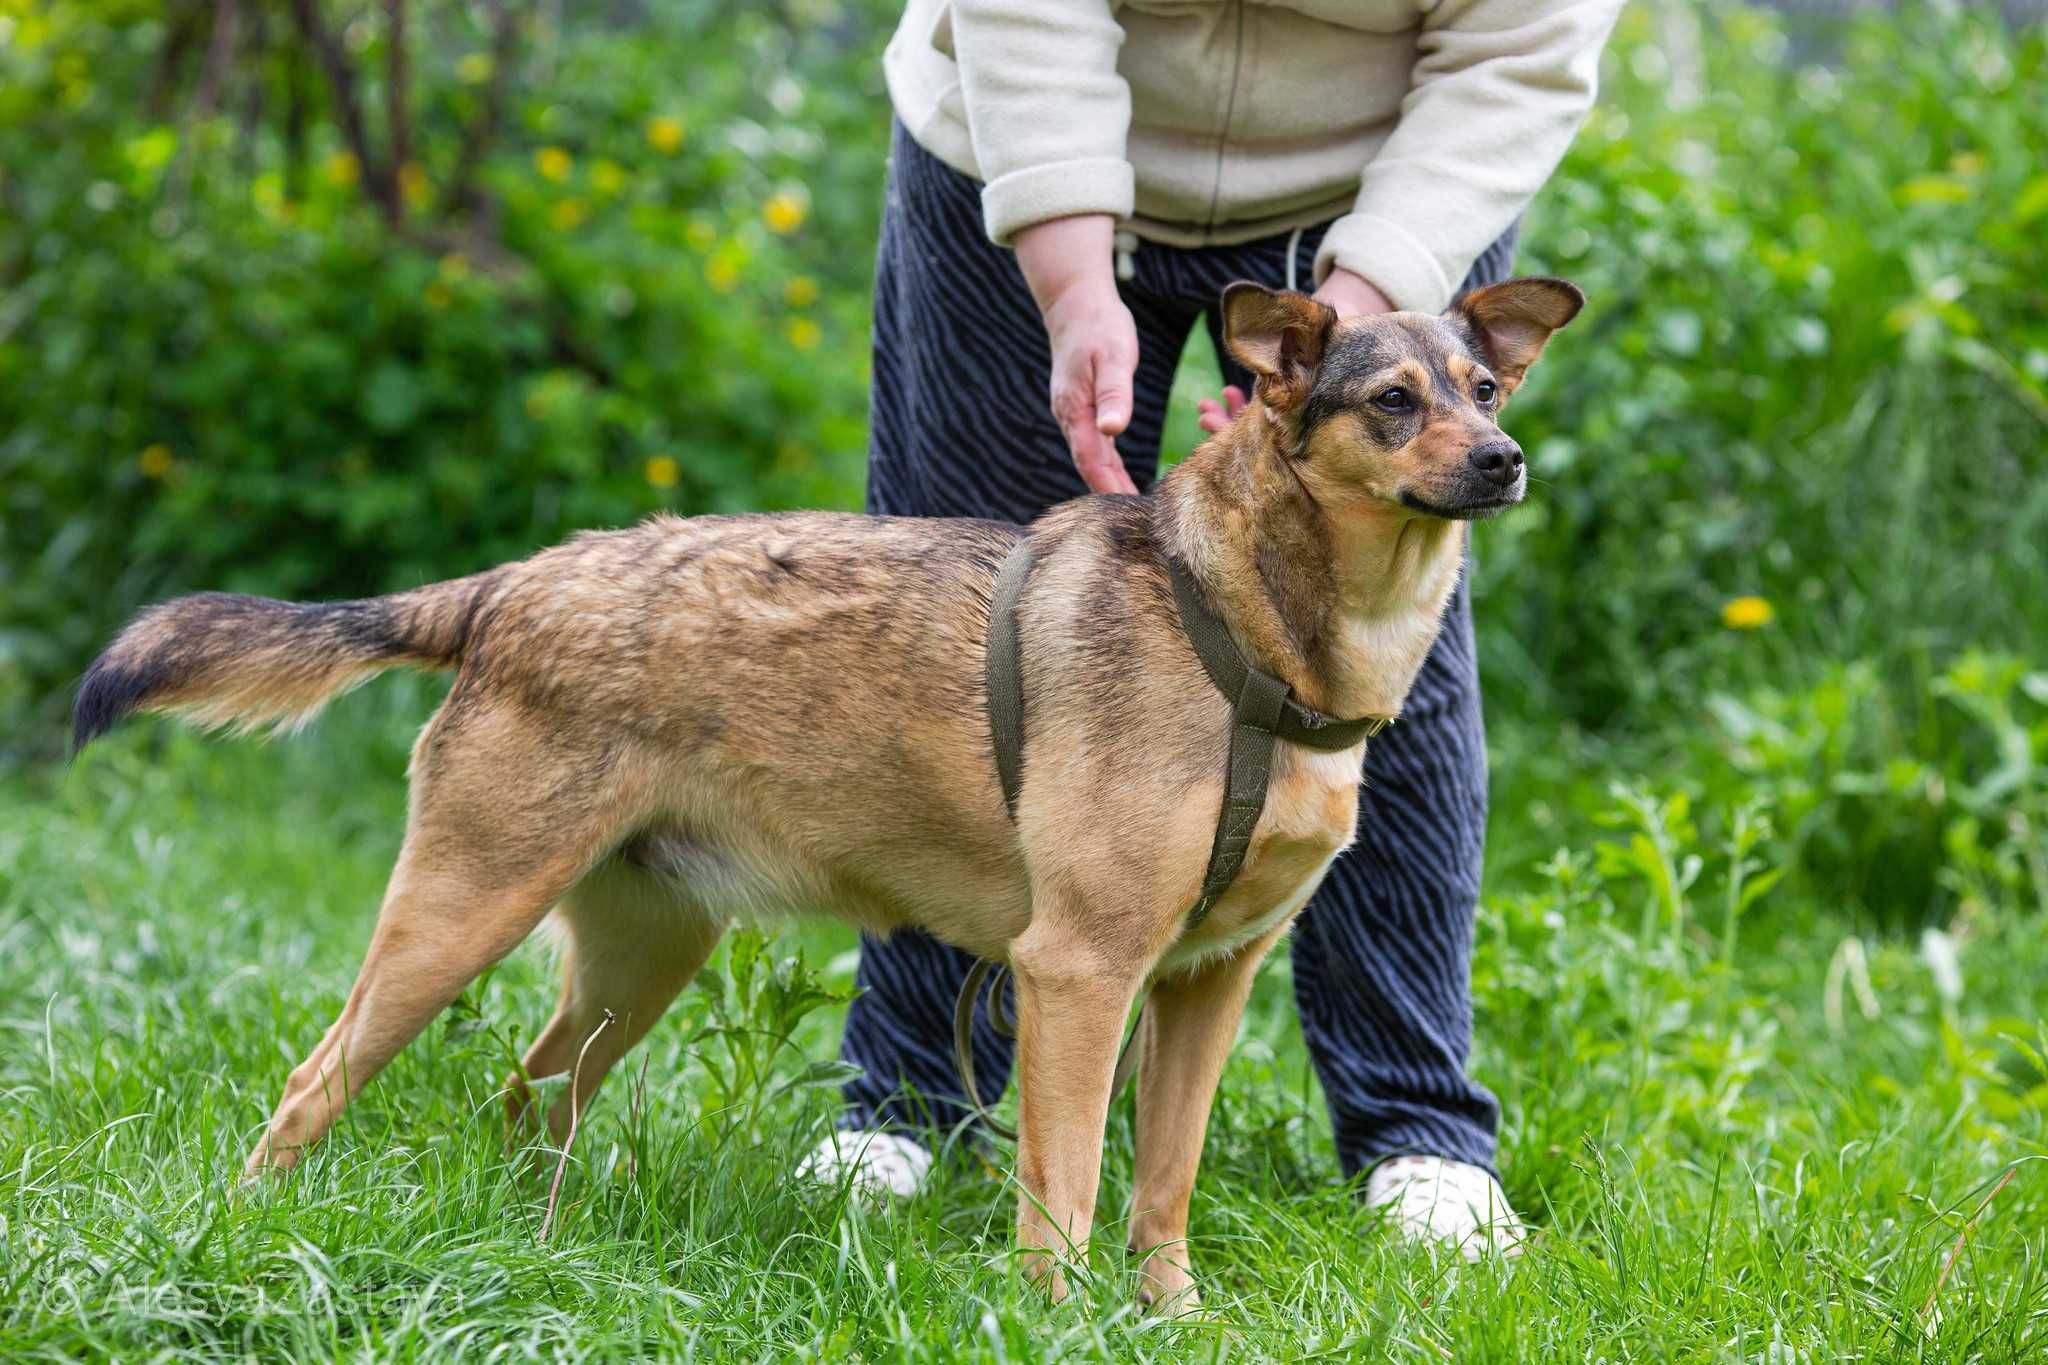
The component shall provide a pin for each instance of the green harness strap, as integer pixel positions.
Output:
(1005, 674)
(1262, 711)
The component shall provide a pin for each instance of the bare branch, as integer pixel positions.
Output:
(483, 129)
(250, 116)
(181, 30)
(348, 107)
(295, 113)
(227, 15)
(397, 122)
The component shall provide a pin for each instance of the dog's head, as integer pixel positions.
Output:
(1401, 408)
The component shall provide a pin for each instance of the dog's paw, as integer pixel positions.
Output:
(1165, 1287)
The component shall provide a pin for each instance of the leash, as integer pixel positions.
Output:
(1263, 710)
(992, 973)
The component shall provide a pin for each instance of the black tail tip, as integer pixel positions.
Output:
(107, 695)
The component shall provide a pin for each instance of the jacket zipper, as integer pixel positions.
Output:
(1229, 114)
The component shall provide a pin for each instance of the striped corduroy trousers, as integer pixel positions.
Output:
(1382, 954)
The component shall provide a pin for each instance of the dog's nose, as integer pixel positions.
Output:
(1500, 461)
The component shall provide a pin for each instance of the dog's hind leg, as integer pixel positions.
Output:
(506, 814)
(1191, 1021)
(634, 941)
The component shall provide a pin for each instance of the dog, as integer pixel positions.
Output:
(656, 730)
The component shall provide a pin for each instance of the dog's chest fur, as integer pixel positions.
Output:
(1311, 816)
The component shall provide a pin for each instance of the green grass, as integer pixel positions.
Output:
(1725, 1165)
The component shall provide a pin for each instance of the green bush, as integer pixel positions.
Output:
(218, 368)
(1814, 369)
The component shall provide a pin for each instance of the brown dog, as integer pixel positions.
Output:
(654, 730)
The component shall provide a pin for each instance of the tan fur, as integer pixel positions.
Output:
(658, 729)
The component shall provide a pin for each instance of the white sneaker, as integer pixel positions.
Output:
(1431, 1199)
(879, 1165)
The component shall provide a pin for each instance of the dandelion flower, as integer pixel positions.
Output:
(785, 211)
(721, 274)
(154, 461)
(801, 291)
(607, 177)
(665, 134)
(342, 169)
(412, 182)
(1747, 613)
(804, 334)
(554, 163)
(663, 472)
(566, 215)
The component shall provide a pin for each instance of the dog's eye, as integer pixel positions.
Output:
(1393, 400)
(1483, 391)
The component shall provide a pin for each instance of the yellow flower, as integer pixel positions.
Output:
(607, 177)
(700, 234)
(554, 163)
(1747, 613)
(722, 274)
(412, 181)
(154, 461)
(785, 211)
(804, 334)
(664, 134)
(568, 214)
(342, 169)
(454, 267)
(662, 472)
(801, 291)
(437, 295)
(474, 68)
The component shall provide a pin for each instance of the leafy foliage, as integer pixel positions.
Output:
(220, 366)
(1814, 369)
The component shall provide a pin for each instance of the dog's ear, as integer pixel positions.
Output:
(1510, 321)
(1280, 336)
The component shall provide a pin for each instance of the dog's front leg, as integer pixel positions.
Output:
(1072, 998)
(1191, 1021)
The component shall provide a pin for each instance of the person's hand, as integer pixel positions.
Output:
(1213, 415)
(1352, 295)
(1070, 266)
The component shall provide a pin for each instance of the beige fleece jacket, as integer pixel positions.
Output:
(1421, 126)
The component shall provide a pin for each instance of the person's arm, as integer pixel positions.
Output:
(1499, 89)
(1069, 264)
(1049, 116)
(1047, 111)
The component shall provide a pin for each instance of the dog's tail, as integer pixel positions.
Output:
(225, 661)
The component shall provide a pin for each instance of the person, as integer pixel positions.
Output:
(1071, 184)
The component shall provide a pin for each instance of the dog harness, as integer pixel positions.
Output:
(1263, 710)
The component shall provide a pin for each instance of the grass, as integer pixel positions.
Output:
(1743, 1138)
